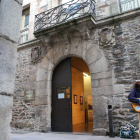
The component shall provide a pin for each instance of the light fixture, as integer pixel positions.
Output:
(85, 74)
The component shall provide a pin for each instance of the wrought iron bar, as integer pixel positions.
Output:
(127, 5)
(63, 13)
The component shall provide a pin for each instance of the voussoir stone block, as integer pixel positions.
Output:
(6, 103)
(93, 54)
(100, 65)
(41, 84)
(40, 92)
(41, 74)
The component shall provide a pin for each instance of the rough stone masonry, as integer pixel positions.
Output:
(10, 16)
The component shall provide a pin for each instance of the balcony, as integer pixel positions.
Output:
(23, 35)
(73, 9)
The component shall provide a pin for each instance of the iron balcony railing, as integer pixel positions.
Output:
(126, 5)
(23, 35)
(63, 13)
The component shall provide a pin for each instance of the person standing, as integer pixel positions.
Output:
(134, 97)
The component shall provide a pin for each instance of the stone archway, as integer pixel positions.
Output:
(101, 75)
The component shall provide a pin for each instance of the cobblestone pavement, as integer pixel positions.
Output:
(57, 136)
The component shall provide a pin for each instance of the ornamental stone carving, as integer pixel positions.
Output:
(38, 53)
(106, 37)
(35, 54)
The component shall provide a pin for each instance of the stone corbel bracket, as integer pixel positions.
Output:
(107, 37)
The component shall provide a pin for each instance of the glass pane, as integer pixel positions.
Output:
(26, 20)
(61, 93)
(61, 96)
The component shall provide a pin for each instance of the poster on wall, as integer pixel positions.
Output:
(29, 95)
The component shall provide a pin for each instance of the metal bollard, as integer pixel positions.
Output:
(111, 129)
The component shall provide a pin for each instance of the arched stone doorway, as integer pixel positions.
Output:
(71, 97)
(101, 76)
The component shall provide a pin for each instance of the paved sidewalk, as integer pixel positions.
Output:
(57, 136)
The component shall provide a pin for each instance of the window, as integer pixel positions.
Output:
(26, 20)
(24, 26)
(59, 2)
(127, 5)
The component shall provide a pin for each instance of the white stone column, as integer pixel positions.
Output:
(10, 17)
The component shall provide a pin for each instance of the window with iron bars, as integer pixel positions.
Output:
(126, 5)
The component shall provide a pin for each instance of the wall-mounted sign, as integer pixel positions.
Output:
(63, 92)
(29, 95)
(61, 95)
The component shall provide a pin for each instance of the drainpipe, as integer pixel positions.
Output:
(111, 130)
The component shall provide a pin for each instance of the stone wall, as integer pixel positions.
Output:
(10, 16)
(112, 55)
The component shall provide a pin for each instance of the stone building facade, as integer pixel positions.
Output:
(110, 48)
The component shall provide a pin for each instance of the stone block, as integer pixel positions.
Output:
(76, 44)
(8, 65)
(50, 56)
(6, 103)
(93, 54)
(101, 75)
(41, 85)
(40, 92)
(134, 122)
(10, 14)
(49, 88)
(105, 90)
(126, 105)
(100, 111)
(45, 63)
(118, 89)
(41, 116)
(40, 101)
(100, 131)
(100, 65)
(58, 52)
(106, 82)
(32, 78)
(95, 83)
(41, 74)
(117, 51)
(49, 75)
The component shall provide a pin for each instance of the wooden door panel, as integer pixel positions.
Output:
(61, 109)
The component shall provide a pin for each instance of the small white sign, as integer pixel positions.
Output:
(29, 95)
(61, 95)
